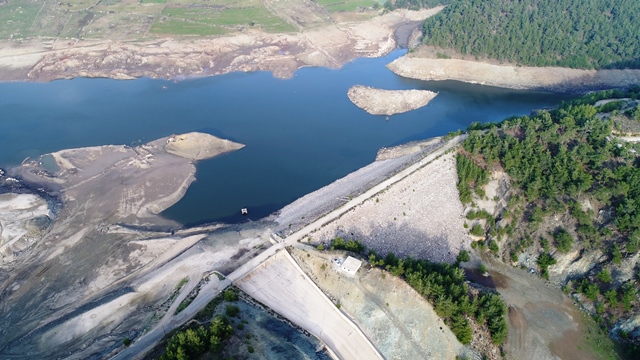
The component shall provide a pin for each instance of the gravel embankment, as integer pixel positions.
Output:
(420, 216)
(311, 206)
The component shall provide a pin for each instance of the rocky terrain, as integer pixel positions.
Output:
(421, 217)
(388, 102)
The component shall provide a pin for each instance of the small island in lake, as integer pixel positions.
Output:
(388, 102)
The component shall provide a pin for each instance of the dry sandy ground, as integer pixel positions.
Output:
(425, 67)
(199, 146)
(400, 322)
(280, 284)
(23, 218)
(330, 45)
(388, 102)
(420, 216)
(543, 322)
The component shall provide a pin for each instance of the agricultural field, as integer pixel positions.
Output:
(348, 5)
(144, 19)
(216, 17)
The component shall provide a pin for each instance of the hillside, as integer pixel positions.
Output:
(557, 194)
(590, 34)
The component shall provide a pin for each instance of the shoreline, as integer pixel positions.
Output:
(332, 46)
(554, 79)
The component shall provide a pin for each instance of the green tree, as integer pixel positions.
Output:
(564, 241)
(612, 297)
(477, 230)
(605, 275)
(463, 256)
(616, 255)
(544, 261)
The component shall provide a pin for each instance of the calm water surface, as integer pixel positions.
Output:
(301, 133)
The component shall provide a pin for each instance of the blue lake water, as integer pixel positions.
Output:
(301, 133)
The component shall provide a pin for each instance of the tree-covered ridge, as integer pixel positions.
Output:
(558, 159)
(444, 285)
(574, 187)
(578, 34)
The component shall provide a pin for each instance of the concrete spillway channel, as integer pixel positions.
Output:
(281, 284)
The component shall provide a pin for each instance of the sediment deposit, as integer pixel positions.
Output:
(329, 43)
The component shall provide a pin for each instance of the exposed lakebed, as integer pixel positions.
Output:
(300, 134)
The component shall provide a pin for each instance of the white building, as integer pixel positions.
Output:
(351, 265)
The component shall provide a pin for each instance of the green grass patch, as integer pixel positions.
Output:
(210, 21)
(16, 19)
(597, 341)
(153, 1)
(345, 5)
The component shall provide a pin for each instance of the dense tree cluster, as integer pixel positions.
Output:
(191, 343)
(557, 157)
(349, 245)
(444, 285)
(414, 4)
(578, 34)
(471, 178)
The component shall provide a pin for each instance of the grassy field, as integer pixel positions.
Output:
(217, 17)
(346, 5)
(140, 19)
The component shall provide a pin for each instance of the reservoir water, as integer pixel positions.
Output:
(301, 133)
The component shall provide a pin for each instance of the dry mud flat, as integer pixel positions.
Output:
(424, 67)
(330, 45)
(77, 286)
(389, 102)
(22, 217)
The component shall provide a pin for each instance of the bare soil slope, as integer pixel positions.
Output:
(280, 284)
